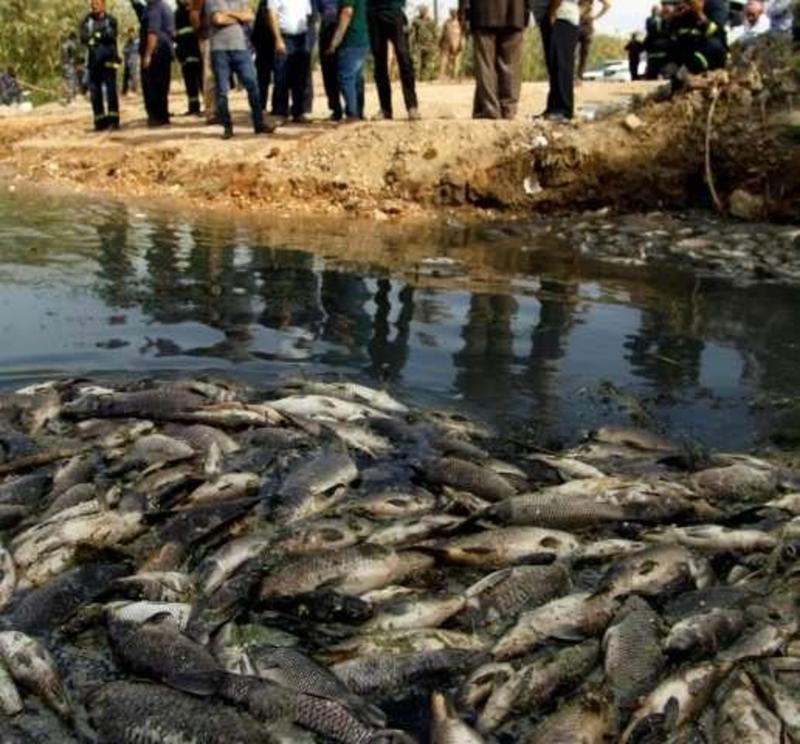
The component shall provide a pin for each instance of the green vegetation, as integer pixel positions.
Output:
(31, 32)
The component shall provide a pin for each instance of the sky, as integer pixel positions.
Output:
(625, 15)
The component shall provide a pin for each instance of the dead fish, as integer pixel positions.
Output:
(142, 611)
(656, 570)
(428, 612)
(463, 475)
(394, 503)
(509, 545)
(323, 606)
(738, 483)
(359, 438)
(676, 700)
(268, 702)
(135, 712)
(612, 547)
(156, 586)
(389, 672)
(632, 652)
(157, 649)
(704, 634)
(410, 641)
(8, 577)
(713, 538)
(78, 470)
(76, 495)
(498, 598)
(482, 681)
(573, 617)
(589, 720)
(324, 408)
(350, 391)
(292, 669)
(224, 562)
(32, 666)
(567, 468)
(743, 719)
(447, 727)
(538, 682)
(767, 638)
(314, 486)
(26, 490)
(350, 571)
(781, 698)
(229, 486)
(158, 404)
(544, 509)
(321, 535)
(633, 437)
(51, 605)
(201, 438)
(153, 449)
(10, 701)
(413, 529)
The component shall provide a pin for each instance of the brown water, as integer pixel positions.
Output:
(509, 323)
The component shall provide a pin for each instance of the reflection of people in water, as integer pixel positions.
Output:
(485, 362)
(665, 351)
(115, 259)
(347, 322)
(558, 303)
(290, 290)
(388, 357)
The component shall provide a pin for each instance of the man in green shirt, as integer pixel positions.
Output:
(350, 44)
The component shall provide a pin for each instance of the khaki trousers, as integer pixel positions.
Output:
(498, 72)
(209, 84)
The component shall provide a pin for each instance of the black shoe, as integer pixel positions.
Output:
(156, 123)
(228, 133)
(302, 119)
(336, 116)
(114, 126)
(268, 127)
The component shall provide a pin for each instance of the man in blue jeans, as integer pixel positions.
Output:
(350, 44)
(289, 20)
(229, 54)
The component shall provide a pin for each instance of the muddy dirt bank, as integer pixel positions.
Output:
(447, 161)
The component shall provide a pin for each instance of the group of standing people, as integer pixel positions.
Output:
(497, 28)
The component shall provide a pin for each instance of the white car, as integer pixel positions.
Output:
(613, 71)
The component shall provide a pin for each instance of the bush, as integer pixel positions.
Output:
(31, 32)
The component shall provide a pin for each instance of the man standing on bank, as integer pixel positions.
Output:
(497, 28)
(99, 33)
(230, 55)
(388, 24)
(157, 30)
(187, 50)
(558, 23)
(586, 31)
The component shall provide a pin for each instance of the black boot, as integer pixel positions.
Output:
(228, 133)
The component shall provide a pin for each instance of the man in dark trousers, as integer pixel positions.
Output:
(387, 23)
(264, 46)
(99, 33)
(634, 48)
(156, 32)
(328, 11)
(187, 50)
(497, 28)
(558, 22)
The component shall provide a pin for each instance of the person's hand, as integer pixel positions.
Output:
(331, 49)
(280, 46)
(146, 60)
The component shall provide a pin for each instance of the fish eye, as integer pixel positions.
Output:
(329, 534)
(550, 542)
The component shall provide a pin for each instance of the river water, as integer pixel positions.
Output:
(507, 322)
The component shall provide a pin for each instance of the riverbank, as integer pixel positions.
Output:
(655, 159)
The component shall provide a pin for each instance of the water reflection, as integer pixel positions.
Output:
(515, 329)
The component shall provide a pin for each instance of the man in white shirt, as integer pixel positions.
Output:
(289, 20)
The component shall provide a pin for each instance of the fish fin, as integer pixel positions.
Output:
(488, 582)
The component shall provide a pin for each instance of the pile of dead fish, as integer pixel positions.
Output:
(199, 561)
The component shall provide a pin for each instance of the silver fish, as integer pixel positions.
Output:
(704, 634)
(447, 727)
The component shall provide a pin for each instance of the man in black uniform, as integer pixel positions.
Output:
(156, 31)
(264, 45)
(187, 50)
(699, 41)
(656, 40)
(99, 33)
